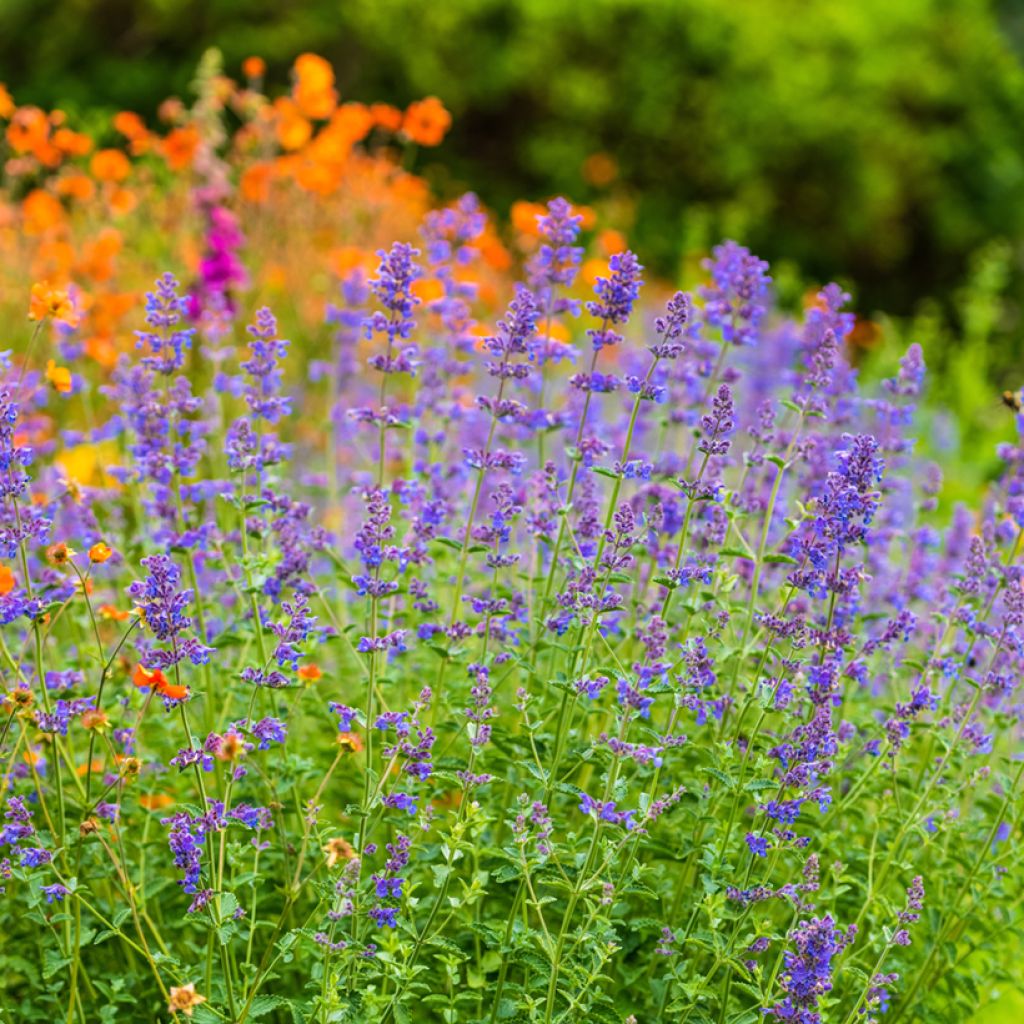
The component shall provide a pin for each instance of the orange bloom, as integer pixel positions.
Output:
(350, 742)
(72, 143)
(110, 165)
(524, 217)
(59, 377)
(314, 91)
(310, 673)
(172, 691)
(386, 116)
(155, 801)
(45, 301)
(6, 102)
(179, 148)
(7, 580)
(426, 121)
(143, 677)
(254, 67)
(41, 211)
(113, 614)
(232, 746)
(100, 552)
(59, 554)
(255, 182)
(293, 130)
(76, 186)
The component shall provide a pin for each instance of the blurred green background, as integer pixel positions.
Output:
(880, 142)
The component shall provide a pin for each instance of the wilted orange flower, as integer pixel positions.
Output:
(59, 554)
(95, 719)
(7, 580)
(426, 121)
(45, 301)
(179, 148)
(254, 67)
(310, 673)
(59, 377)
(338, 849)
(185, 999)
(110, 165)
(100, 552)
(112, 613)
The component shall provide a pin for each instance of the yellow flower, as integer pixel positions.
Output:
(185, 999)
(58, 376)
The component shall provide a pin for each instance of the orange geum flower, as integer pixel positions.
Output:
(110, 165)
(45, 301)
(185, 999)
(314, 91)
(173, 691)
(179, 148)
(155, 801)
(309, 673)
(59, 377)
(350, 742)
(41, 212)
(59, 554)
(254, 67)
(143, 677)
(232, 747)
(7, 580)
(386, 116)
(426, 121)
(100, 551)
(7, 106)
(112, 613)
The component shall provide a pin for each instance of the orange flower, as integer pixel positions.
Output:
(41, 211)
(59, 377)
(293, 130)
(143, 677)
(72, 143)
(232, 747)
(59, 554)
(255, 182)
(7, 580)
(155, 801)
(525, 215)
(113, 614)
(100, 552)
(310, 673)
(254, 67)
(179, 148)
(314, 91)
(6, 102)
(45, 301)
(350, 742)
(426, 121)
(110, 165)
(185, 999)
(386, 116)
(172, 691)
(76, 186)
